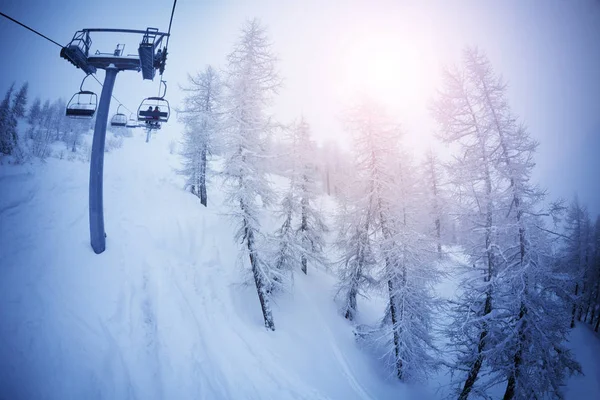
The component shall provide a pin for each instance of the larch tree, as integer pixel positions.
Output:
(433, 171)
(7, 125)
(594, 302)
(538, 361)
(251, 82)
(519, 329)
(312, 226)
(358, 261)
(42, 132)
(577, 252)
(202, 119)
(34, 111)
(404, 256)
(460, 123)
(19, 104)
(300, 238)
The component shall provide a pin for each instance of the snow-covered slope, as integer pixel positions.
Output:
(165, 311)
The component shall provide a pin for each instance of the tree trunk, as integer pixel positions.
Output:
(574, 306)
(476, 367)
(258, 279)
(438, 225)
(509, 394)
(580, 313)
(587, 311)
(304, 223)
(394, 315)
(203, 195)
(474, 371)
(438, 236)
(351, 309)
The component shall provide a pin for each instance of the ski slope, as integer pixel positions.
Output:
(166, 311)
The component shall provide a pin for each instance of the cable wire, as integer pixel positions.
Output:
(114, 98)
(171, 22)
(61, 46)
(31, 29)
(167, 46)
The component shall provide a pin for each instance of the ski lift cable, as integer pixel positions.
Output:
(31, 29)
(61, 46)
(170, 23)
(113, 96)
(167, 44)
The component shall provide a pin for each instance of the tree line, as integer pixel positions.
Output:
(42, 129)
(532, 264)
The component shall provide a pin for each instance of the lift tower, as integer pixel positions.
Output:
(150, 57)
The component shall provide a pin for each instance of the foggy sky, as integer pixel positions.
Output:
(548, 51)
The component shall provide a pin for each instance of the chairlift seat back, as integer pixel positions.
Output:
(78, 109)
(118, 120)
(147, 114)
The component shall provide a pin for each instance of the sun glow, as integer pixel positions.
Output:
(398, 71)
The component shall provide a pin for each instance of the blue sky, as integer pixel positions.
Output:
(548, 51)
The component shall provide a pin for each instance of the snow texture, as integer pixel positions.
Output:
(165, 312)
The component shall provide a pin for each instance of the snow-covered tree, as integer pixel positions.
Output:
(471, 175)
(251, 81)
(201, 118)
(7, 123)
(19, 104)
(577, 253)
(42, 132)
(511, 314)
(300, 238)
(34, 111)
(358, 261)
(59, 122)
(335, 167)
(411, 271)
(312, 226)
(433, 177)
(594, 302)
(404, 257)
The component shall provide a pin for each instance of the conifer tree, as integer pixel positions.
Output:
(251, 81)
(201, 118)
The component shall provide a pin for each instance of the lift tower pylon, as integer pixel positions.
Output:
(78, 53)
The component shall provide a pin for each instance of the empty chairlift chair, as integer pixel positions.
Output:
(119, 119)
(76, 52)
(82, 105)
(132, 122)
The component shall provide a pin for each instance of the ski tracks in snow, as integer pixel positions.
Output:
(345, 367)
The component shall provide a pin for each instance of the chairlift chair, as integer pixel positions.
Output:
(119, 119)
(147, 110)
(76, 52)
(153, 111)
(78, 108)
(132, 122)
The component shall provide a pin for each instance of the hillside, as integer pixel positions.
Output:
(165, 311)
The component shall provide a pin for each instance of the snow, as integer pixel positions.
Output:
(165, 311)
(585, 344)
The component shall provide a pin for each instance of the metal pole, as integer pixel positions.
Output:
(97, 234)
